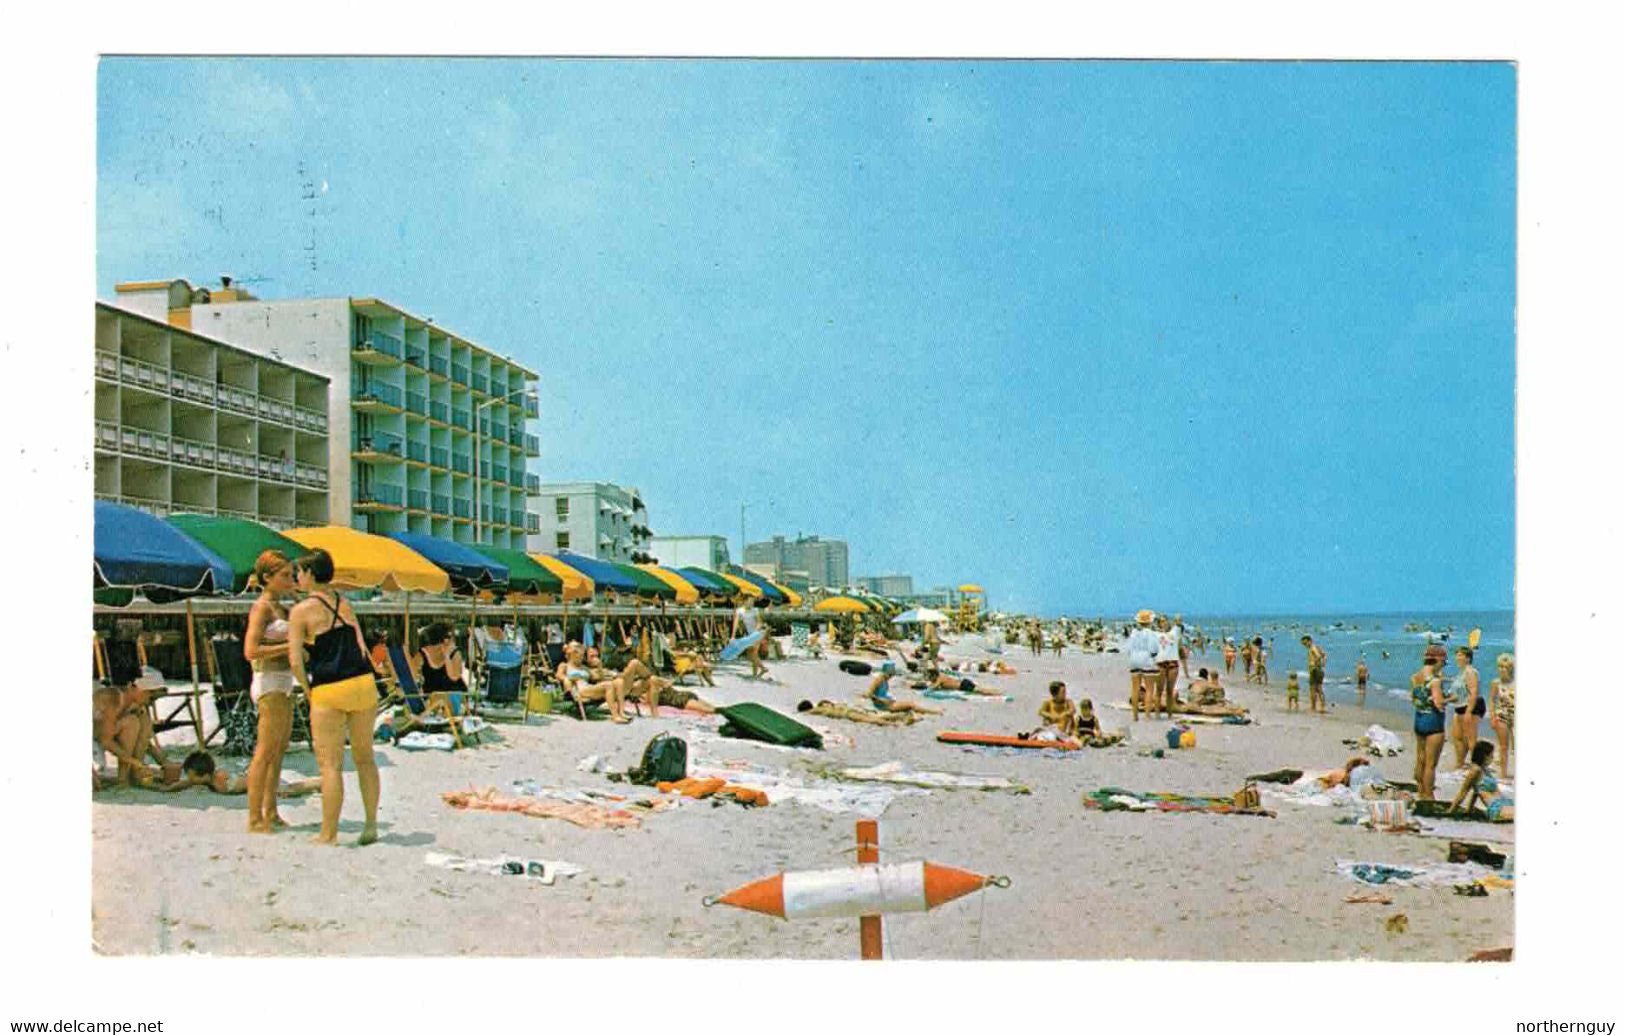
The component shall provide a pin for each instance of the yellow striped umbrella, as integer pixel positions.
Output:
(363, 561)
(686, 593)
(576, 585)
(842, 605)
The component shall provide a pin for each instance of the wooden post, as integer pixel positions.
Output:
(869, 929)
(406, 626)
(191, 651)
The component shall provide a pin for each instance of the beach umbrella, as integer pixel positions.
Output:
(770, 593)
(842, 605)
(363, 561)
(525, 575)
(920, 616)
(687, 592)
(791, 597)
(709, 583)
(622, 578)
(236, 541)
(469, 569)
(576, 586)
(971, 587)
(741, 586)
(134, 552)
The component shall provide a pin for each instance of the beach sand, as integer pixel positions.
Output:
(178, 874)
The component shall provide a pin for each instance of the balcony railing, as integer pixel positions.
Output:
(418, 451)
(376, 391)
(389, 495)
(533, 523)
(440, 412)
(461, 508)
(235, 461)
(307, 474)
(417, 402)
(378, 341)
(442, 503)
(276, 409)
(532, 406)
(516, 436)
(480, 383)
(498, 516)
(437, 365)
(417, 357)
(146, 375)
(485, 426)
(533, 446)
(461, 463)
(275, 468)
(533, 484)
(499, 473)
(440, 456)
(459, 373)
(310, 420)
(241, 400)
(196, 389)
(417, 499)
(462, 419)
(379, 442)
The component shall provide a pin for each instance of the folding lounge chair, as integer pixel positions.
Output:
(500, 674)
(231, 676)
(431, 713)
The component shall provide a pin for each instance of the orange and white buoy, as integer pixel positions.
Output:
(911, 887)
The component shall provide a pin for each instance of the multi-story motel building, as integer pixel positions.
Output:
(427, 430)
(691, 551)
(596, 519)
(186, 423)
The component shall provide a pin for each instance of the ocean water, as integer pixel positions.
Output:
(1391, 653)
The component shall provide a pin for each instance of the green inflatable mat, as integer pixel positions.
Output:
(750, 721)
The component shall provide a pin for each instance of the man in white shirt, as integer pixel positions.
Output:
(1142, 664)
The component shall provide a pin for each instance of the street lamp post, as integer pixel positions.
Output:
(742, 507)
(478, 537)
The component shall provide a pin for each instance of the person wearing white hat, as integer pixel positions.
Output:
(122, 727)
(1144, 676)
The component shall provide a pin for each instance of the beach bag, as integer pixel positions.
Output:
(1174, 733)
(858, 668)
(1248, 797)
(1187, 739)
(665, 760)
(1389, 814)
(750, 721)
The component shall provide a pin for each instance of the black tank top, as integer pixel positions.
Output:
(435, 680)
(334, 655)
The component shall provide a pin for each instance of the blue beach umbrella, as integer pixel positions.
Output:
(136, 552)
(469, 569)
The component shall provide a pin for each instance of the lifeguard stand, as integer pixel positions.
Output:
(968, 615)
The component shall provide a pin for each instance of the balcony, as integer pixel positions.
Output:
(417, 402)
(418, 452)
(533, 523)
(107, 369)
(496, 516)
(460, 463)
(532, 406)
(274, 468)
(417, 357)
(480, 383)
(310, 420)
(240, 400)
(499, 473)
(485, 427)
(383, 446)
(417, 499)
(461, 508)
(141, 374)
(275, 409)
(196, 389)
(516, 436)
(459, 373)
(378, 497)
(462, 419)
(439, 456)
(442, 503)
(533, 446)
(533, 484)
(307, 474)
(378, 347)
(440, 411)
(438, 367)
(233, 461)
(375, 396)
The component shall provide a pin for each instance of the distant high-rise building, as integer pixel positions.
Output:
(887, 585)
(690, 551)
(596, 519)
(824, 560)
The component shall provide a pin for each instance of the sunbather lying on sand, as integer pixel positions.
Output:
(1478, 784)
(636, 679)
(1340, 777)
(833, 710)
(880, 694)
(199, 770)
(577, 681)
(933, 678)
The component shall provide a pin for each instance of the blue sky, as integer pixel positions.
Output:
(1197, 336)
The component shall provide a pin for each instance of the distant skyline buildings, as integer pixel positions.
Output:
(823, 562)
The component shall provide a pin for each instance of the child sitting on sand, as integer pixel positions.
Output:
(1057, 713)
(1479, 784)
(1291, 691)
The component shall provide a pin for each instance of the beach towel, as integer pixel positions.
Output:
(1413, 875)
(961, 695)
(417, 740)
(899, 773)
(694, 787)
(589, 816)
(751, 721)
(741, 645)
(546, 871)
(1113, 799)
(993, 750)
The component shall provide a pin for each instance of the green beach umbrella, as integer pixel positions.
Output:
(238, 542)
(524, 575)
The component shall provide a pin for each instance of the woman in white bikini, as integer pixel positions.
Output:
(266, 648)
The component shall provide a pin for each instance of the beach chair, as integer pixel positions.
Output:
(500, 675)
(230, 675)
(431, 713)
(122, 661)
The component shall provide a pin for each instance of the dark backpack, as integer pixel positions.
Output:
(665, 760)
